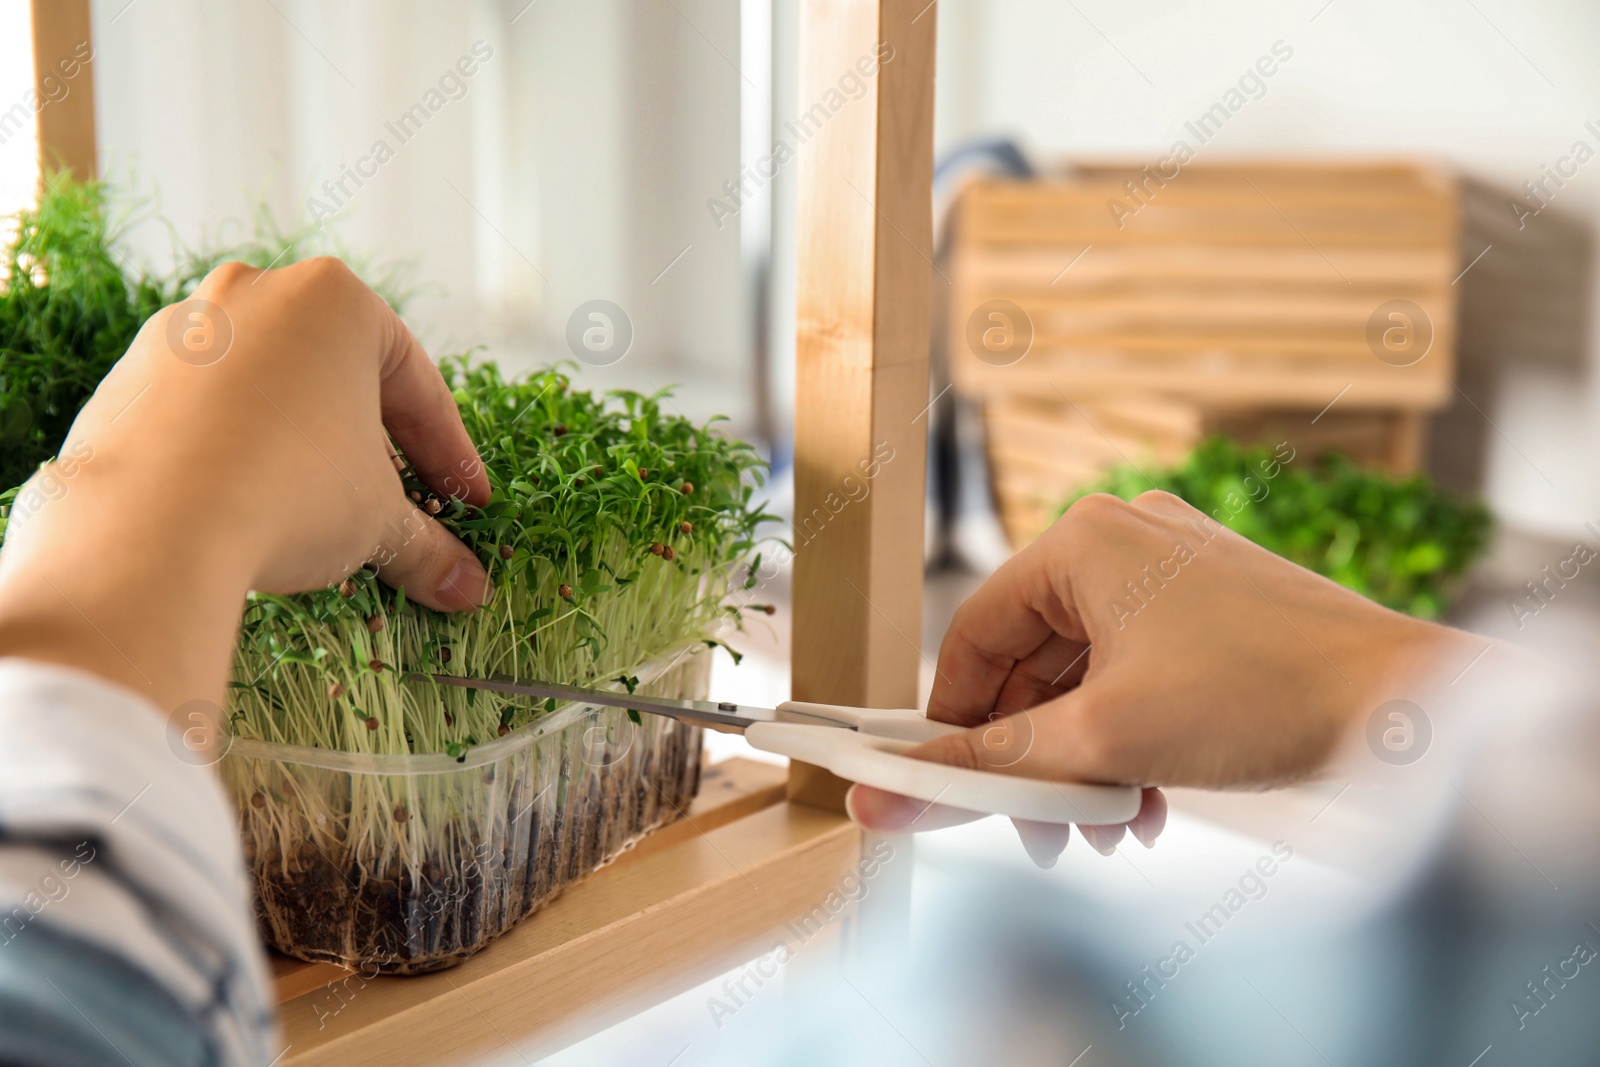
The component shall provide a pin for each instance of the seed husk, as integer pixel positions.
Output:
(347, 588)
(376, 665)
(258, 799)
(644, 474)
(688, 487)
(560, 429)
(372, 722)
(444, 654)
(416, 497)
(656, 548)
(504, 729)
(374, 623)
(335, 691)
(400, 813)
(506, 551)
(433, 506)
(668, 554)
(565, 592)
(686, 527)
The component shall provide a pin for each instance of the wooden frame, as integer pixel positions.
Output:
(66, 125)
(865, 221)
(761, 846)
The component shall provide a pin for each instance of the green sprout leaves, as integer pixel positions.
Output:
(609, 543)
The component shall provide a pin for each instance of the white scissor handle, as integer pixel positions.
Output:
(899, 723)
(871, 754)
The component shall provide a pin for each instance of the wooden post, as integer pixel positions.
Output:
(62, 43)
(864, 220)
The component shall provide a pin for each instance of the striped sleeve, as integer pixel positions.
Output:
(126, 930)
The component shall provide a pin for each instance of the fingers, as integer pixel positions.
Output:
(1145, 826)
(421, 415)
(1152, 817)
(1044, 674)
(1103, 839)
(877, 809)
(1020, 614)
(1043, 841)
(430, 564)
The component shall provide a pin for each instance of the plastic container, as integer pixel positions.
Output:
(409, 864)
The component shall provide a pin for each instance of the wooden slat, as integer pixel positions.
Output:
(1215, 380)
(628, 937)
(1044, 435)
(1113, 267)
(729, 791)
(1334, 171)
(1347, 342)
(864, 217)
(1297, 185)
(1150, 417)
(61, 43)
(1279, 307)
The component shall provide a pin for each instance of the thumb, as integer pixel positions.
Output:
(432, 566)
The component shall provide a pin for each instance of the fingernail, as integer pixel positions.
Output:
(1100, 844)
(467, 585)
(1043, 858)
(850, 806)
(1139, 830)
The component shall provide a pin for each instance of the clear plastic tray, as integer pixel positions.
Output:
(409, 864)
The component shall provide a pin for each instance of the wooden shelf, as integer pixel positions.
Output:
(690, 901)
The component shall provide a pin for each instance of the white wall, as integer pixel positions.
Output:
(575, 167)
(1494, 87)
(19, 140)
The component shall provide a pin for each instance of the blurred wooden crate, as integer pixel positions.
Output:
(1136, 316)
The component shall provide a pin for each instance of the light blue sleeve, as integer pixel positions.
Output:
(127, 934)
(65, 1003)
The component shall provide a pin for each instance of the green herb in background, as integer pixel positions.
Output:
(70, 307)
(67, 313)
(1403, 542)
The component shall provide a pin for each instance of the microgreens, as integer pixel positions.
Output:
(567, 538)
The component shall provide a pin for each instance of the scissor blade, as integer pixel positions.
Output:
(700, 712)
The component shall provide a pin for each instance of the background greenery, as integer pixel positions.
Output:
(1403, 542)
(70, 305)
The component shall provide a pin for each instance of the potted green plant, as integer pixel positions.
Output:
(613, 535)
(393, 823)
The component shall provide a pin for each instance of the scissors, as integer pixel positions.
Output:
(864, 745)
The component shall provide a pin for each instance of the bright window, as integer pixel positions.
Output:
(19, 130)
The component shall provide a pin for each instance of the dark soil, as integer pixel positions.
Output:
(412, 920)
